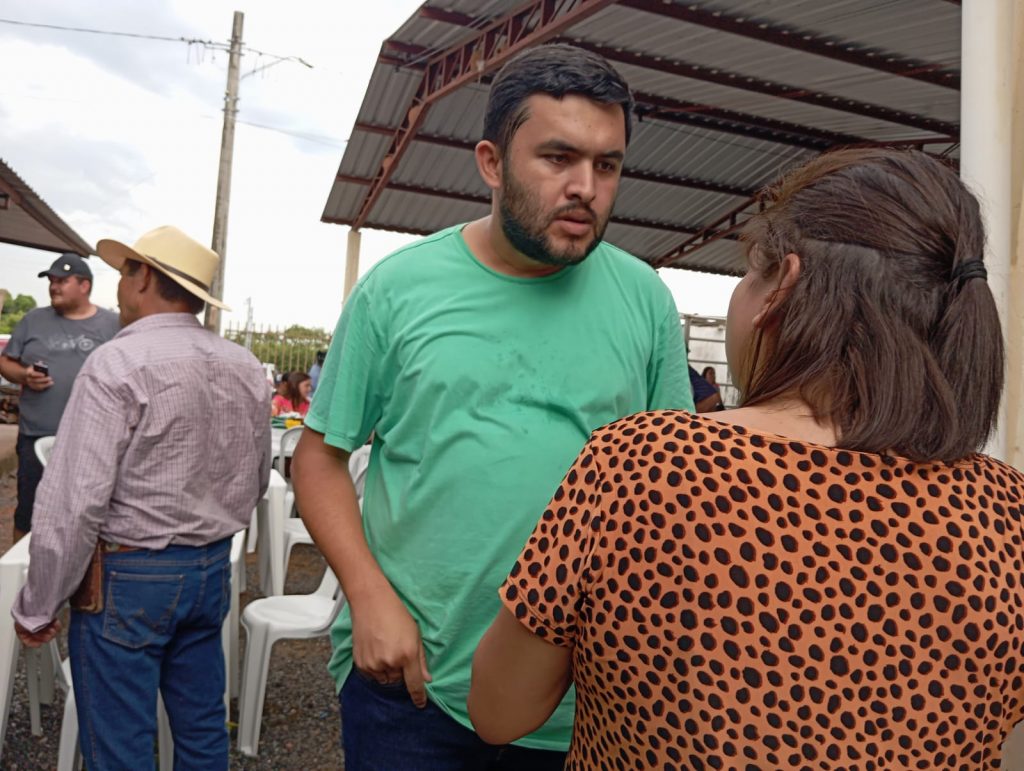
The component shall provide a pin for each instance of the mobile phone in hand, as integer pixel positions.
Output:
(41, 368)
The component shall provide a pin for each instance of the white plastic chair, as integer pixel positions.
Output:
(295, 531)
(267, 620)
(229, 632)
(13, 571)
(43, 448)
(289, 441)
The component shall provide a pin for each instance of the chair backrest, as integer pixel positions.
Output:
(358, 465)
(289, 440)
(328, 584)
(43, 448)
(328, 588)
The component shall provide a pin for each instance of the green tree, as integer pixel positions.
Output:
(14, 310)
(293, 348)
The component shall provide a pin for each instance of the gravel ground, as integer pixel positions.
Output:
(301, 729)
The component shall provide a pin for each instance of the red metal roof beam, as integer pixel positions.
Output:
(726, 226)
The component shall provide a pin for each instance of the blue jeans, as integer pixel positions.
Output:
(30, 472)
(159, 629)
(382, 730)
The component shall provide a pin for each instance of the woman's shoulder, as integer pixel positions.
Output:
(714, 446)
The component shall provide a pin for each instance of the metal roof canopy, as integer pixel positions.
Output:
(729, 94)
(26, 219)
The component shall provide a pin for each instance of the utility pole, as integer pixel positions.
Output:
(227, 146)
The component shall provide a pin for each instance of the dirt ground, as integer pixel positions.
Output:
(301, 729)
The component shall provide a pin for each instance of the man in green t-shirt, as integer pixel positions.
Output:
(481, 358)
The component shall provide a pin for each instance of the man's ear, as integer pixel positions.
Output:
(488, 163)
(146, 278)
(789, 274)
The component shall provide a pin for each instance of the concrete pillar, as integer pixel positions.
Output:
(1015, 359)
(985, 137)
(352, 262)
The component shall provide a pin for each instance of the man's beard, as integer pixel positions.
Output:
(525, 226)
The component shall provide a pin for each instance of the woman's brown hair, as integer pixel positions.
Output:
(880, 334)
(292, 393)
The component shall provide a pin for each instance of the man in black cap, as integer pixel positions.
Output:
(44, 354)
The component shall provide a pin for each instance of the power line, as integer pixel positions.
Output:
(316, 138)
(209, 43)
(166, 38)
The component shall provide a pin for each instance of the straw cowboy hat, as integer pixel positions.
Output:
(166, 249)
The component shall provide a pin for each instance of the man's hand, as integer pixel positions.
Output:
(37, 381)
(35, 639)
(387, 645)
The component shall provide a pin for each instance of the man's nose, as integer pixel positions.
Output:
(582, 183)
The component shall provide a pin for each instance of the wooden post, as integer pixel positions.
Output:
(351, 262)
(227, 149)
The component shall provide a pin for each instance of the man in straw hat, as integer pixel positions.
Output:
(163, 452)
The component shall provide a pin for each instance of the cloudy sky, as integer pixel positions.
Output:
(121, 134)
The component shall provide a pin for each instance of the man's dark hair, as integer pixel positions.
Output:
(169, 290)
(880, 333)
(556, 70)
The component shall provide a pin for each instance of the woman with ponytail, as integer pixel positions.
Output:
(829, 576)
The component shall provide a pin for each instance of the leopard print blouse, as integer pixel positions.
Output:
(735, 599)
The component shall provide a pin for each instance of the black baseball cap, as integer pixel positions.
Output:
(68, 264)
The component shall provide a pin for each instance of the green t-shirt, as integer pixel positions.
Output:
(482, 388)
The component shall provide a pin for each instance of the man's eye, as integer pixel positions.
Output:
(558, 158)
(608, 166)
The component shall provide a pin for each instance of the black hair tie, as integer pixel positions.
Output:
(967, 270)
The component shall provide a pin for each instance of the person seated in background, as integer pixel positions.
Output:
(708, 373)
(295, 396)
(827, 576)
(281, 384)
(706, 397)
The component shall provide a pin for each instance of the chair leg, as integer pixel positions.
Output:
(229, 667)
(288, 545)
(32, 681)
(251, 537)
(69, 758)
(254, 688)
(46, 675)
(233, 646)
(164, 741)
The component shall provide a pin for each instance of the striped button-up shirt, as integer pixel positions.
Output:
(165, 440)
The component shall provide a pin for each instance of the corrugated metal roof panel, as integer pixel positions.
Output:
(658, 36)
(920, 30)
(363, 154)
(27, 220)
(444, 169)
(411, 211)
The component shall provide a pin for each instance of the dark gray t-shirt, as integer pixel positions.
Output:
(63, 345)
